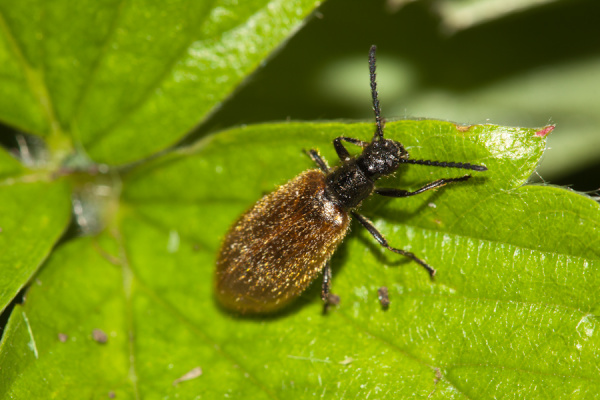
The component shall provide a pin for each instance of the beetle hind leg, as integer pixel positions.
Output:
(383, 242)
(328, 298)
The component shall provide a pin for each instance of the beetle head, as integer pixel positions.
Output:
(381, 157)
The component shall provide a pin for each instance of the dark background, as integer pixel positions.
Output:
(529, 68)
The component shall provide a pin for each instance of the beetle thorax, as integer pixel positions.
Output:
(353, 181)
(347, 185)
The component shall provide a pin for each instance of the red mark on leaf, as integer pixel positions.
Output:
(543, 132)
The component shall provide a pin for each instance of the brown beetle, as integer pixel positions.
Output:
(279, 246)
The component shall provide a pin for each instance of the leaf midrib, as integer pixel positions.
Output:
(35, 81)
(101, 136)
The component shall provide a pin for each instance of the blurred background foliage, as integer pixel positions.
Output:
(521, 63)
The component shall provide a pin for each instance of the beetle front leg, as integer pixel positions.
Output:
(341, 151)
(393, 192)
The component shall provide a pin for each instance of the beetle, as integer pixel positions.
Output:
(280, 245)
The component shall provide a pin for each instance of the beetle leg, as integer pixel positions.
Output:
(446, 164)
(341, 151)
(320, 161)
(393, 192)
(382, 241)
(326, 282)
(328, 297)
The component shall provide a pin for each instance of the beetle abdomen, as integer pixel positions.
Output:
(279, 246)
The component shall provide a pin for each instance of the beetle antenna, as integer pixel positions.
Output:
(447, 164)
(379, 131)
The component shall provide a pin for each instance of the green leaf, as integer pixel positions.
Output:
(523, 99)
(512, 308)
(34, 215)
(9, 166)
(78, 288)
(128, 79)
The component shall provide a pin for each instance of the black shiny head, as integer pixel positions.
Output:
(354, 180)
(381, 157)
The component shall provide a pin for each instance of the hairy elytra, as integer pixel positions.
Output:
(278, 247)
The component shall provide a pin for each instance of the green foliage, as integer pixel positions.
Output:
(511, 312)
(500, 313)
(110, 73)
(29, 228)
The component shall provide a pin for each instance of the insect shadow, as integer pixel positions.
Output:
(377, 206)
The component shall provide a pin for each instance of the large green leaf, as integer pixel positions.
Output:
(128, 79)
(512, 310)
(34, 213)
